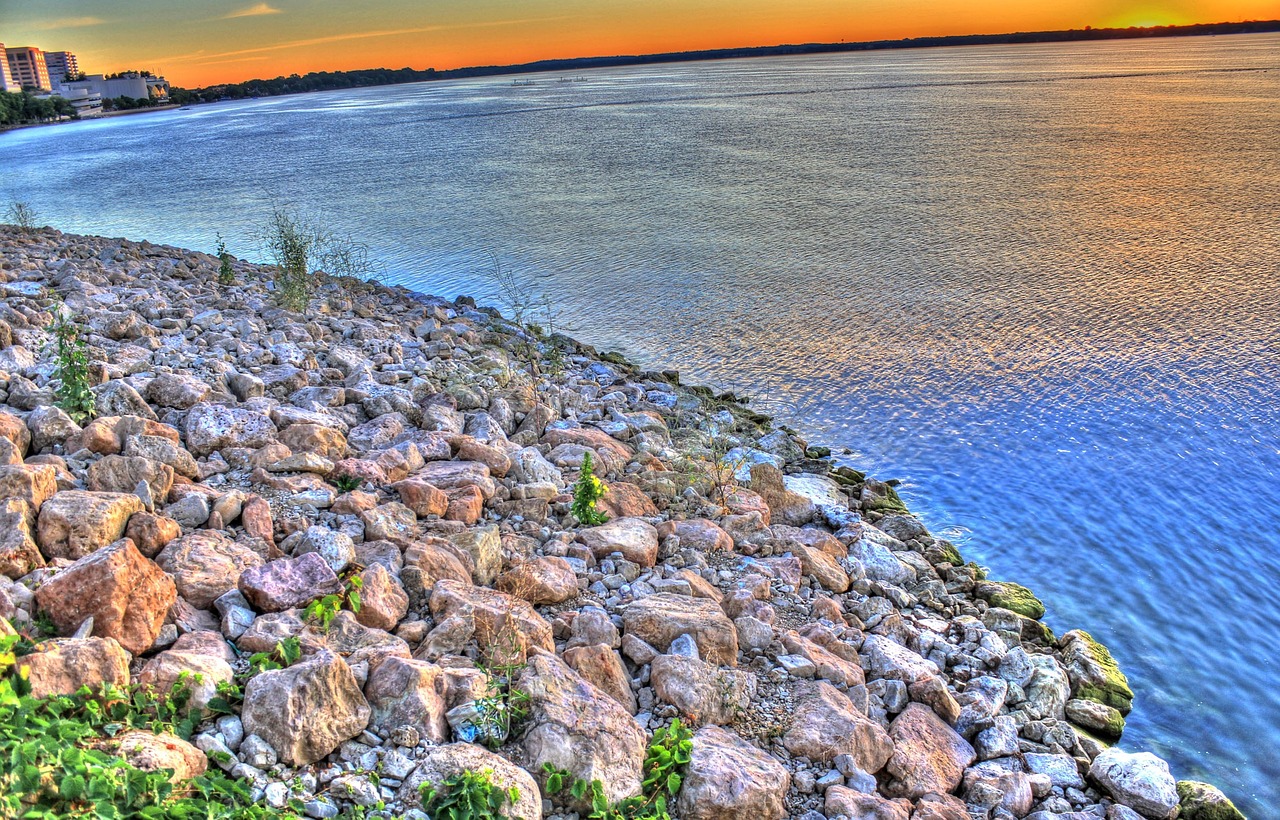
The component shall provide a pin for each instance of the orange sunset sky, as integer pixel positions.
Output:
(199, 43)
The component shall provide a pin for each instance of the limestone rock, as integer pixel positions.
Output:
(383, 602)
(841, 801)
(126, 594)
(637, 540)
(62, 665)
(442, 762)
(1200, 801)
(30, 483)
(153, 752)
(306, 710)
(785, 506)
(203, 674)
(928, 755)
(18, 551)
(660, 619)
(212, 427)
(1140, 781)
(288, 583)
(484, 545)
(122, 474)
(825, 724)
(703, 693)
(602, 668)
(576, 727)
(728, 779)
(545, 580)
(505, 627)
(74, 523)
(405, 691)
(205, 565)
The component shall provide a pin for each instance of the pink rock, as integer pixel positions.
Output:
(288, 583)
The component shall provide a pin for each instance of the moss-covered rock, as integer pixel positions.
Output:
(1200, 801)
(1094, 674)
(1102, 720)
(879, 496)
(950, 553)
(1011, 596)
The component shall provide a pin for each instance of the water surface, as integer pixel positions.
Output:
(1038, 283)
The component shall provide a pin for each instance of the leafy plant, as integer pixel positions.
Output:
(468, 796)
(22, 215)
(324, 610)
(586, 492)
(55, 761)
(71, 367)
(347, 483)
(226, 275)
(664, 764)
(299, 246)
(286, 654)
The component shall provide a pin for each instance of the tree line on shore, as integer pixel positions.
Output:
(23, 108)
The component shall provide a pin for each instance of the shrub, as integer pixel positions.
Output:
(347, 483)
(292, 243)
(226, 275)
(22, 215)
(71, 367)
(586, 492)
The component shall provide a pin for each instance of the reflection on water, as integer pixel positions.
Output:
(1036, 282)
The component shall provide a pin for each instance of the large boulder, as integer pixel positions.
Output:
(825, 724)
(1200, 801)
(63, 665)
(443, 762)
(74, 523)
(1094, 674)
(542, 580)
(578, 728)
(212, 427)
(306, 710)
(703, 693)
(484, 545)
(153, 752)
(31, 483)
(506, 628)
(201, 673)
(123, 474)
(383, 601)
(19, 553)
(1140, 781)
(205, 565)
(637, 540)
(845, 802)
(928, 755)
(785, 506)
(602, 667)
(403, 691)
(728, 778)
(660, 619)
(288, 583)
(126, 594)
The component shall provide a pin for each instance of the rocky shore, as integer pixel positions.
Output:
(382, 486)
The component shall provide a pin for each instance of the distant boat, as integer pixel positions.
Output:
(521, 83)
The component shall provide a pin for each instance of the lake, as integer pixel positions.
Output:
(1037, 283)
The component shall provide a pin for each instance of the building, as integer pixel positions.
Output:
(86, 103)
(132, 85)
(27, 68)
(61, 64)
(7, 83)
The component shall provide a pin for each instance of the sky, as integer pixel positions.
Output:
(213, 41)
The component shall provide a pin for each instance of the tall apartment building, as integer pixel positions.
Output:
(7, 82)
(27, 67)
(61, 64)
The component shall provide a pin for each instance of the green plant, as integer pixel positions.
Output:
(663, 769)
(71, 367)
(22, 215)
(300, 247)
(286, 654)
(325, 609)
(468, 796)
(226, 275)
(586, 492)
(347, 482)
(56, 760)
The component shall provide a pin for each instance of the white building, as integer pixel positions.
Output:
(7, 83)
(61, 64)
(86, 103)
(132, 85)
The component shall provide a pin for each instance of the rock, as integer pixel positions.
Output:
(306, 710)
(190, 511)
(1100, 719)
(126, 594)
(33, 484)
(121, 474)
(825, 724)
(164, 451)
(823, 567)
(74, 523)
(1013, 597)
(575, 727)
(404, 691)
(203, 674)
(841, 801)
(728, 779)
(623, 499)
(15, 430)
(506, 628)
(315, 438)
(49, 426)
(893, 661)
(699, 534)
(1200, 801)
(703, 693)
(602, 668)
(206, 564)
(826, 664)
(390, 522)
(177, 390)
(424, 499)
(637, 540)
(785, 506)
(660, 619)
(212, 427)
(1094, 674)
(1140, 781)
(62, 665)
(443, 762)
(383, 602)
(116, 398)
(288, 583)
(928, 755)
(151, 533)
(336, 548)
(547, 580)
(484, 545)
(1061, 770)
(154, 752)
(18, 551)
